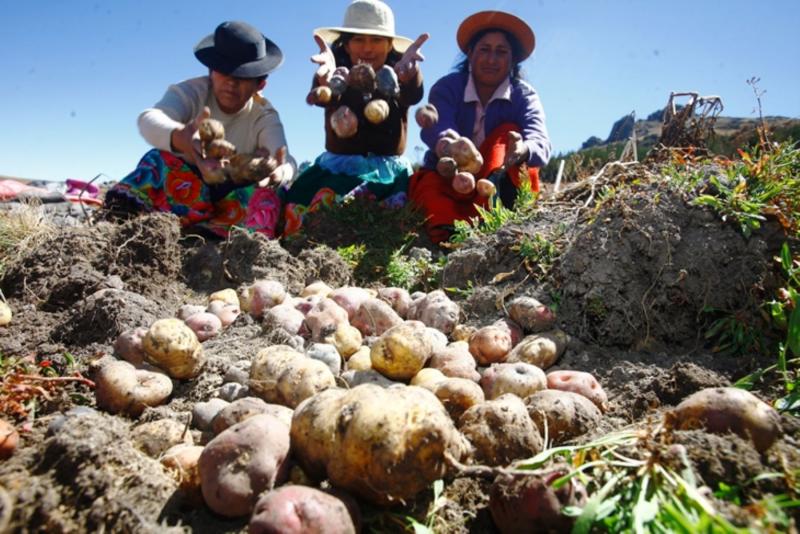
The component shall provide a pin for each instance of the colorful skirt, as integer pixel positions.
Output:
(164, 182)
(335, 178)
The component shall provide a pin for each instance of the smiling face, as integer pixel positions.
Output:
(370, 49)
(491, 59)
(233, 93)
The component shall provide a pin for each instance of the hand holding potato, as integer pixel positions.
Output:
(282, 174)
(325, 60)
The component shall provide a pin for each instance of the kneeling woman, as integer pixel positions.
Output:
(486, 101)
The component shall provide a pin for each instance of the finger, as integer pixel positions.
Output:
(418, 43)
(323, 46)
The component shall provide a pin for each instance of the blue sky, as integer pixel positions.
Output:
(75, 74)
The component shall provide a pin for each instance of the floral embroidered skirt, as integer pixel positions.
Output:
(164, 182)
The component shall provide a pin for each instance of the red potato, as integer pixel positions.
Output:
(581, 383)
(436, 310)
(242, 462)
(531, 315)
(263, 295)
(427, 116)
(442, 148)
(304, 304)
(245, 408)
(520, 379)
(728, 409)
(455, 361)
(398, 298)
(226, 312)
(491, 344)
(323, 319)
(122, 388)
(362, 78)
(350, 298)
(205, 325)
(374, 317)
(485, 188)
(9, 438)
(187, 310)
(284, 316)
(300, 510)
(463, 183)
(128, 346)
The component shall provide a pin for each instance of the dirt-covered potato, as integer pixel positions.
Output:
(181, 462)
(562, 415)
(350, 298)
(261, 296)
(542, 350)
(455, 361)
(155, 437)
(447, 168)
(383, 444)
(347, 339)
(210, 129)
(436, 310)
(172, 346)
(242, 462)
(9, 438)
(398, 298)
(355, 378)
(728, 409)
(581, 383)
(294, 509)
(227, 313)
(491, 344)
(327, 354)
(458, 395)
(401, 351)
(376, 111)
(462, 332)
(284, 316)
(374, 317)
(247, 407)
(323, 319)
(122, 388)
(228, 296)
(187, 310)
(428, 378)
(360, 360)
(318, 288)
(500, 431)
(520, 379)
(279, 374)
(531, 315)
(128, 345)
(205, 325)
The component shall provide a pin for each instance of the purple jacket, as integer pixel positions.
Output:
(525, 110)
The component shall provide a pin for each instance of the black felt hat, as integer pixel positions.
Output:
(238, 49)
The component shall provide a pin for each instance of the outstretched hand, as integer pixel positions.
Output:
(184, 139)
(282, 173)
(516, 152)
(325, 60)
(407, 67)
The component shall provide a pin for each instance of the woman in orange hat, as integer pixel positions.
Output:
(487, 102)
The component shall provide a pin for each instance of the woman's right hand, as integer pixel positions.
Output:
(325, 60)
(185, 141)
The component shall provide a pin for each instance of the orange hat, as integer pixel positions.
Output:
(497, 20)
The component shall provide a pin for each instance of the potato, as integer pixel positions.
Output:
(437, 338)
(181, 462)
(205, 325)
(210, 129)
(228, 296)
(427, 116)
(398, 298)
(347, 339)
(263, 295)
(581, 383)
(563, 415)
(9, 438)
(491, 344)
(485, 188)
(247, 407)
(457, 395)
(520, 379)
(436, 310)
(227, 313)
(500, 430)
(542, 350)
(318, 288)
(387, 83)
(326, 354)
(463, 182)
(384, 445)
(128, 346)
(350, 298)
(284, 316)
(360, 360)
(728, 409)
(242, 462)
(172, 346)
(203, 413)
(531, 315)
(344, 122)
(447, 168)
(121, 388)
(187, 310)
(355, 378)
(279, 374)
(320, 94)
(338, 81)
(456, 361)
(442, 147)
(428, 378)
(401, 351)
(376, 111)
(362, 78)
(467, 156)
(300, 510)
(374, 317)
(155, 437)
(462, 332)
(324, 318)
(220, 149)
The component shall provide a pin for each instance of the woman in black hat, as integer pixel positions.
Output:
(176, 177)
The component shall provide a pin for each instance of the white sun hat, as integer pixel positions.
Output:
(367, 17)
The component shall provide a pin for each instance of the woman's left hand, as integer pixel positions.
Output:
(517, 151)
(407, 67)
(282, 173)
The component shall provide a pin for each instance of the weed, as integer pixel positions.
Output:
(412, 273)
(732, 333)
(463, 293)
(21, 228)
(352, 254)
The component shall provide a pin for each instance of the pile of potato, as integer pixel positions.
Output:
(235, 167)
(380, 392)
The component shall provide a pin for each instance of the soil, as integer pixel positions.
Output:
(632, 287)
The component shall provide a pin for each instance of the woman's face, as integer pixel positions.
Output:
(491, 59)
(233, 93)
(370, 49)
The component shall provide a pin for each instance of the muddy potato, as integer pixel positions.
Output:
(360, 360)
(355, 378)
(520, 379)
(227, 313)
(442, 148)
(318, 288)
(220, 149)
(180, 462)
(346, 338)
(263, 295)
(128, 345)
(485, 188)
(463, 182)
(728, 409)
(455, 360)
(344, 122)
(350, 298)
(398, 298)
(327, 354)
(172, 346)
(531, 315)
(279, 374)
(205, 325)
(210, 129)
(462, 332)
(500, 430)
(491, 344)
(122, 388)
(376, 111)
(284, 316)
(447, 167)
(245, 408)
(5, 314)
(542, 350)
(563, 415)
(458, 395)
(9, 438)
(242, 462)
(428, 378)
(300, 510)
(187, 310)
(427, 116)
(374, 317)
(436, 310)
(400, 352)
(362, 78)
(382, 444)
(324, 318)
(581, 383)
(203, 412)
(228, 296)
(250, 168)
(155, 437)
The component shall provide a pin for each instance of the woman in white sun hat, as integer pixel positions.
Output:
(364, 138)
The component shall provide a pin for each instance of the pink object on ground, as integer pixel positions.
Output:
(10, 189)
(75, 187)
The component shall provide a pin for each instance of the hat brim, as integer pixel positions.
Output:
(205, 52)
(500, 20)
(329, 35)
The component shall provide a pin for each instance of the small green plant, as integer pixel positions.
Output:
(352, 254)
(412, 273)
(537, 252)
(462, 292)
(732, 333)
